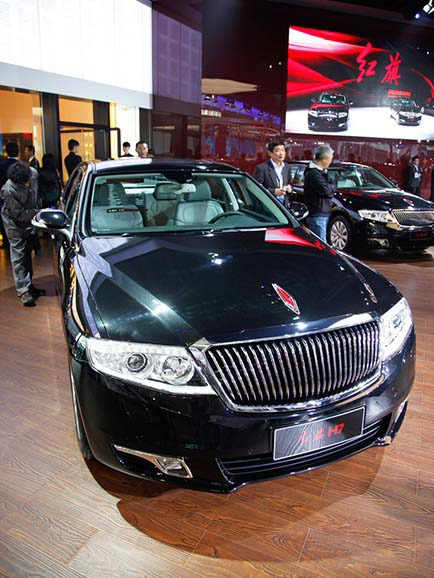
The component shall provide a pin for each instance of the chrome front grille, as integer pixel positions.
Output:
(297, 369)
(414, 218)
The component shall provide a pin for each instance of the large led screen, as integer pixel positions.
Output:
(344, 84)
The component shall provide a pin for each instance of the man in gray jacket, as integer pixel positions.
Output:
(18, 210)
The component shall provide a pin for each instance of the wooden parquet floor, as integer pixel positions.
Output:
(370, 515)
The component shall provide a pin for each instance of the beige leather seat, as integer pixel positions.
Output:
(111, 210)
(198, 208)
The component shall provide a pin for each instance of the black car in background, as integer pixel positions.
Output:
(428, 107)
(405, 111)
(213, 341)
(369, 210)
(329, 111)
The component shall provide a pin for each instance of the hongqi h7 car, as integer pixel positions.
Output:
(370, 210)
(213, 341)
(330, 111)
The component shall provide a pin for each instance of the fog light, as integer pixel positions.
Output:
(170, 466)
(174, 467)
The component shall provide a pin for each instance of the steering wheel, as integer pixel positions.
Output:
(223, 215)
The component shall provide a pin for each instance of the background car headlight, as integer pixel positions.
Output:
(342, 114)
(313, 113)
(141, 363)
(396, 325)
(381, 216)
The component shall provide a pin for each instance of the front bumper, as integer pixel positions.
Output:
(224, 449)
(409, 121)
(392, 237)
(331, 123)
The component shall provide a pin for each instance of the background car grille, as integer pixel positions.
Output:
(411, 218)
(284, 371)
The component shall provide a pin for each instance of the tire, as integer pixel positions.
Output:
(83, 444)
(340, 233)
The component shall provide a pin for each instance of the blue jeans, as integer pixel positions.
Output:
(318, 225)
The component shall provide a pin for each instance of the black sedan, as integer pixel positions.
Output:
(213, 341)
(405, 111)
(329, 111)
(370, 211)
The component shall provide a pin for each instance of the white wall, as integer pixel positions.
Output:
(98, 49)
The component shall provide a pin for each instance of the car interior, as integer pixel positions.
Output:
(122, 204)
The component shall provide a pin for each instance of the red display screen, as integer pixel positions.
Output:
(345, 84)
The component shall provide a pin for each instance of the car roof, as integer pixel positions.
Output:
(334, 164)
(136, 164)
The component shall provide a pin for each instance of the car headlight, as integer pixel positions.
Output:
(381, 216)
(396, 325)
(342, 114)
(313, 112)
(142, 364)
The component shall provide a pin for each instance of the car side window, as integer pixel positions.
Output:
(71, 201)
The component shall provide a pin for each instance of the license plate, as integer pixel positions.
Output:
(315, 435)
(421, 235)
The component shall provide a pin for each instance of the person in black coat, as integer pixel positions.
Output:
(29, 152)
(50, 183)
(274, 174)
(319, 191)
(414, 176)
(73, 159)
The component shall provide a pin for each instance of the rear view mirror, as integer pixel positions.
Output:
(50, 219)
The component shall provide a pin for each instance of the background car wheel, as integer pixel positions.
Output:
(83, 444)
(340, 234)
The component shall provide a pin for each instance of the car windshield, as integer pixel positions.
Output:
(175, 201)
(359, 178)
(333, 99)
(408, 104)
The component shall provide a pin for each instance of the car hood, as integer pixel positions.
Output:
(385, 199)
(180, 288)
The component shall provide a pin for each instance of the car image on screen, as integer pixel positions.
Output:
(329, 111)
(405, 111)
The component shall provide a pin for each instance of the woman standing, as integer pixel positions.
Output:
(50, 183)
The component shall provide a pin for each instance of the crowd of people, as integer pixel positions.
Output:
(26, 187)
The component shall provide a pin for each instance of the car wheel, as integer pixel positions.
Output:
(83, 444)
(340, 234)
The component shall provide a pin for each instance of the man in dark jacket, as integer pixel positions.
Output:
(18, 210)
(414, 176)
(73, 159)
(319, 191)
(274, 175)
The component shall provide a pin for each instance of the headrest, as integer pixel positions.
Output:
(202, 192)
(101, 195)
(117, 194)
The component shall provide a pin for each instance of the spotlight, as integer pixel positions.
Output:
(417, 16)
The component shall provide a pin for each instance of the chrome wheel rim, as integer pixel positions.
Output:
(339, 235)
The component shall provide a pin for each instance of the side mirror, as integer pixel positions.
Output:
(395, 183)
(313, 100)
(298, 210)
(351, 103)
(50, 219)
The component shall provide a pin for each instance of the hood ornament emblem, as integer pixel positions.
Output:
(289, 301)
